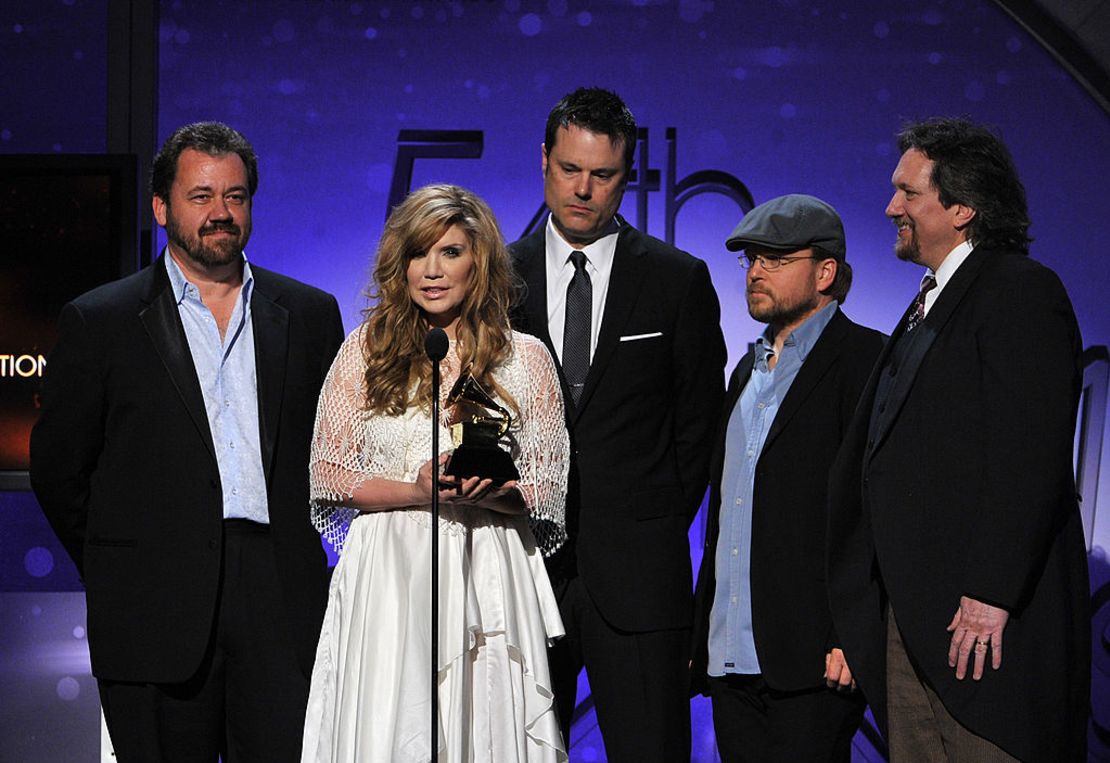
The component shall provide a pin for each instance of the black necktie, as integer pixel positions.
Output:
(576, 327)
(917, 309)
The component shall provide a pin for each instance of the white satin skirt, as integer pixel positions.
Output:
(370, 693)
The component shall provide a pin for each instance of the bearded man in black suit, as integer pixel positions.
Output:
(957, 566)
(171, 458)
(764, 647)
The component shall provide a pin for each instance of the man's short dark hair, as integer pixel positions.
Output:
(599, 111)
(212, 138)
(842, 282)
(972, 167)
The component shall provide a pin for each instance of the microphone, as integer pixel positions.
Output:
(436, 344)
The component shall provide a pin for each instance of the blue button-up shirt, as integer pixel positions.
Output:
(228, 380)
(731, 638)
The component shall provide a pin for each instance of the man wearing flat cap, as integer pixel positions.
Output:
(764, 647)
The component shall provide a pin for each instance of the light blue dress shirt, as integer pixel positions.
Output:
(228, 380)
(731, 639)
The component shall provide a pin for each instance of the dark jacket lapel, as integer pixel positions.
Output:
(814, 368)
(530, 262)
(163, 324)
(739, 379)
(531, 265)
(956, 289)
(624, 285)
(939, 314)
(271, 344)
(816, 364)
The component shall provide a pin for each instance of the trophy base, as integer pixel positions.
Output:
(484, 461)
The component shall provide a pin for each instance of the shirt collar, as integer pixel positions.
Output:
(802, 339)
(179, 284)
(558, 250)
(948, 265)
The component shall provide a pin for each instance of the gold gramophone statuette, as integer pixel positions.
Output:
(480, 423)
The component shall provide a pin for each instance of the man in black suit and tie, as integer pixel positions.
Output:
(957, 567)
(634, 325)
(763, 642)
(171, 458)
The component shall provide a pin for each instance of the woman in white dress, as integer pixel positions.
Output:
(441, 262)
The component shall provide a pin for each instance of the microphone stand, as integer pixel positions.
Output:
(436, 345)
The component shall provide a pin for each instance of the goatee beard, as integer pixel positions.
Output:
(908, 252)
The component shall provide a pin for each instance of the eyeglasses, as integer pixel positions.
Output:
(747, 261)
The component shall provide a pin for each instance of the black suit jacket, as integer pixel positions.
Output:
(964, 486)
(792, 624)
(123, 464)
(642, 431)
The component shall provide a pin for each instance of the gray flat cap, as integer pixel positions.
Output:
(790, 223)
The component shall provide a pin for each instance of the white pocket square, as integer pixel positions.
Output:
(634, 337)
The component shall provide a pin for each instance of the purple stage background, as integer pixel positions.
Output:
(786, 96)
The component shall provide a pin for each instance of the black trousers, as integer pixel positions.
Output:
(758, 724)
(639, 681)
(247, 700)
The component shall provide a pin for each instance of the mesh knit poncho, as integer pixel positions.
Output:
(351, 445)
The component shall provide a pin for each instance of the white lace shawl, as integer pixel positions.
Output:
(351, 445)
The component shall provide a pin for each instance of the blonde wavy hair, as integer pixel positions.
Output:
(398, 372)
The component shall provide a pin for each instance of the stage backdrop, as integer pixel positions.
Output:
(778, 97)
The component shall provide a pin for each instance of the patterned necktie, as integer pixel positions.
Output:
(576, 327)
(917, 309)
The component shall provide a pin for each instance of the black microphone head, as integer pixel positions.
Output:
(436, 344)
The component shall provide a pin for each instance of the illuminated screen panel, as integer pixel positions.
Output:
(67, 225)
